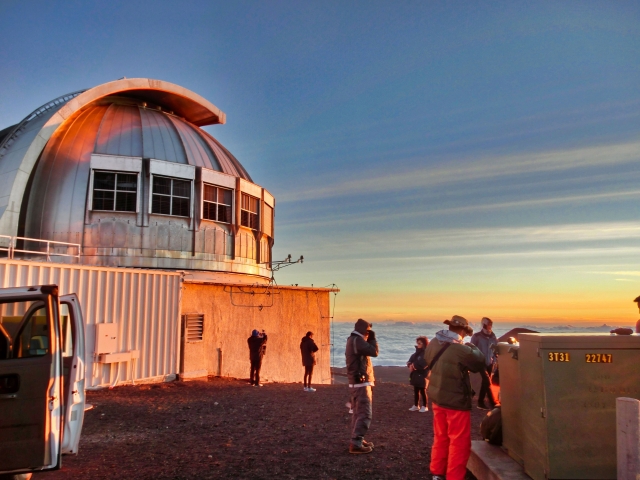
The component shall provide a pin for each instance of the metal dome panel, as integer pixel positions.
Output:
(197, 150)
(160, 139)
(120, 131)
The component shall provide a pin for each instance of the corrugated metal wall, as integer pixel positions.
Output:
(144, 303)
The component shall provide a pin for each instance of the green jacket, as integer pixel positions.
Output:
(449, 384)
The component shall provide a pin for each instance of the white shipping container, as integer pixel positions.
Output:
(145, 305)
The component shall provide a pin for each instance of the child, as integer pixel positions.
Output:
(418, 376)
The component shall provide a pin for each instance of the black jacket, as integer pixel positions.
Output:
(257, 347)
(308, 348)
(418, 377)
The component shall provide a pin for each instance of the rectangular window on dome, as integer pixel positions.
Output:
(171, 196)
(115, 192)
(249, 212)
(216, 203)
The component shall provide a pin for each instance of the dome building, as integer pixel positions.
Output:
(117, 194)
(124, 171)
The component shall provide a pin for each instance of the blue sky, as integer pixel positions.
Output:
(430, 158)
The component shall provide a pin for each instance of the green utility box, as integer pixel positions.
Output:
(566, 400)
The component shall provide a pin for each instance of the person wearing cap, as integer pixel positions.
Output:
(308, 349)
(450, 361)
(361, 345)
(484, 339)
(257, 348)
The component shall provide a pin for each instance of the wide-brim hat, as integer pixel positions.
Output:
(458, 321)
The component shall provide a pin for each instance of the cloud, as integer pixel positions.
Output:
(474, 170)
(360, 217)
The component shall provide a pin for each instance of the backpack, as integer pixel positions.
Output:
(491, 427)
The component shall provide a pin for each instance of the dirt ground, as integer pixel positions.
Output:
(223, 428)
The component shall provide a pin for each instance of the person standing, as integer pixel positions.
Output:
(361, 345)
(484, 339)
(418, 375)
(450, 362)
(257, 348)
(308, 348)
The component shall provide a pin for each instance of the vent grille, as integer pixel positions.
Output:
(193, 326)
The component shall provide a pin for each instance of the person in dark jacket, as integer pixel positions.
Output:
(308, 348)
(418, 375)
(361, 345)
(257, 348)
(450, 362)
(484, 339)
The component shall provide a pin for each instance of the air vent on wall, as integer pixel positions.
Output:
(193, 326)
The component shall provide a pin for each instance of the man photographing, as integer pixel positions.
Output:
(361, 345)
(450, 362)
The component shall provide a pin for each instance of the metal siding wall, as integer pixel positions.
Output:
(144, 304)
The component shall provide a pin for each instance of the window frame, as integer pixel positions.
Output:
(216, 203)
(115, 190)
(171, 196)
(257, 214)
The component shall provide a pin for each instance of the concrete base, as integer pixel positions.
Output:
(197, 374)
(488, 462)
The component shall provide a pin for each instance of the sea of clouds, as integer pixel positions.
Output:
(397, 339)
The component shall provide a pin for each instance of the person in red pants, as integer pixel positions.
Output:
(450, 361)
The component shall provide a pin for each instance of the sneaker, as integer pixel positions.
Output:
(259, 385)
(348, 405)
(306, 389)
(311, 389)
(423, 409)
(414, 409)
(356, 450)
(437, 477)
(367, 444)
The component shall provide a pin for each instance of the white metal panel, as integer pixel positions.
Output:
(170, 169)
(250, 188)
(144, 303)
(116, 162)
(268, 198)
(218, 178)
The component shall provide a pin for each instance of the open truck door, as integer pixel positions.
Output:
(30, 379)
(73, 371)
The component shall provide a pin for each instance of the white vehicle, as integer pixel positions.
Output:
(42, 379)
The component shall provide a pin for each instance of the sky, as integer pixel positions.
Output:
(428, 158)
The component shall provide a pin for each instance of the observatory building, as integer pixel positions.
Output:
(116, 193)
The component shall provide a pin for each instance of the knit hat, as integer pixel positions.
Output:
(458, 321)
(255, 333)
(362, 326)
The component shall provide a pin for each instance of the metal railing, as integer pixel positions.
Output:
(49, 250)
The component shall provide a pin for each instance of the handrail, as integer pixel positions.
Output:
(12, 248)
(10, 138)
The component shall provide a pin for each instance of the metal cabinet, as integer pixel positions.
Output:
(568, 385)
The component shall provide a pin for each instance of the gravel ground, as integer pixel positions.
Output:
(224, 428)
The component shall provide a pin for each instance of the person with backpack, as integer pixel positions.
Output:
(484, 340)
(308, 349)
(257, 348)
(418, 375)
(449, 362)
(361, 345)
